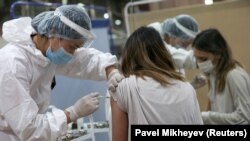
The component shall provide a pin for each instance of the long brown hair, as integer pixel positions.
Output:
(212, 41)
(144, 54)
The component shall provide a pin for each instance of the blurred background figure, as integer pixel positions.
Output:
(229, 83)
(178, 33)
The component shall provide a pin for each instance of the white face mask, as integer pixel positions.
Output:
(206, 66)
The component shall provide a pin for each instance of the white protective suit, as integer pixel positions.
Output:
(25, 84)
(182, 58)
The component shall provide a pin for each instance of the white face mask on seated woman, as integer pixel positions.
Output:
(206, 66)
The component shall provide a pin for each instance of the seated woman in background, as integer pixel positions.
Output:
(152, 92)
(229, 83)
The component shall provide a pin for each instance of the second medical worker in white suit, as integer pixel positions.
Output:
(177, 39)
(52, 42)
(178, 33)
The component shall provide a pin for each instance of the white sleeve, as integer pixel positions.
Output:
(239, 85)
(182, 58)
(122, 94)
(233, 118)
(88, 63)
(20, 112)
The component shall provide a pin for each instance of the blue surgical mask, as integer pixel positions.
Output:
(60, 56)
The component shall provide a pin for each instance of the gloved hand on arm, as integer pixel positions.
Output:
(84, 106)
(114, 78)
(199, 81)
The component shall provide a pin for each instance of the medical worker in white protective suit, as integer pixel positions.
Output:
(52, 42)
(178, 33)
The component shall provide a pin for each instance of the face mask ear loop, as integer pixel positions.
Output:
(48, 48)
(60, 43)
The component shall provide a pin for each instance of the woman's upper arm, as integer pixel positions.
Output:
(119, 123)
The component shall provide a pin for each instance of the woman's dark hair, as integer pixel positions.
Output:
(212, 41)
(145, 54)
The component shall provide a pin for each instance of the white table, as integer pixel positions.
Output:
(88, 135)
(100, 127)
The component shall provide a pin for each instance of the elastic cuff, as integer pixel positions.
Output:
(112, 73)
(72, 115)
(113, 95)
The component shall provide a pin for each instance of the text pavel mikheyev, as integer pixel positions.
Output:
(189, 134)
(168, 132)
